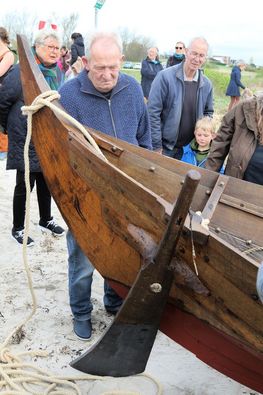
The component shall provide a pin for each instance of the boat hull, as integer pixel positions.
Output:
(209, 345)
(118, 211)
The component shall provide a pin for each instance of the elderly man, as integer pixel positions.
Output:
(46, 52)
(179, 96)
(104, 99)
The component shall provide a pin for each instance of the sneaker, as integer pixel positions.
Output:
(52, 227)
(82, 329)
(18, 235)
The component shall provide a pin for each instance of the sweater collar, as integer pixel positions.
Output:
(86, 85)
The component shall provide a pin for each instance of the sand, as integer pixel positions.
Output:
(176, 370)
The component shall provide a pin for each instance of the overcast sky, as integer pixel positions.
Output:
(232, 28)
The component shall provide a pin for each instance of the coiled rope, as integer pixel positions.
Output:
(16, 376)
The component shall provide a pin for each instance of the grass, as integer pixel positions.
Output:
(219, 76)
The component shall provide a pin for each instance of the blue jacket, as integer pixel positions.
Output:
(189, 156)
(149, 71)
(235, 82)
(124, 115)
(166, 102)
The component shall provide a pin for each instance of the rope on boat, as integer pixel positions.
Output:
(44, 100)
(18, 377)
(192, 244)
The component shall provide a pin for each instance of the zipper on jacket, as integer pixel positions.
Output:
(112, 120)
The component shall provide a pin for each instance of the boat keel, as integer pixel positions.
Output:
(125, 347)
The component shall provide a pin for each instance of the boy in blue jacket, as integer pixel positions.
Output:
(196, 152)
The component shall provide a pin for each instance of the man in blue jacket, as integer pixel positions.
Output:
(179, 96)
(104, 99)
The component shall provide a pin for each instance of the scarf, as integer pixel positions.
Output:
(199, 155)
(178, 55)
(52, 74)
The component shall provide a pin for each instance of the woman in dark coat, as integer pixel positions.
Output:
(240, 140)
(150, 67)
(77, 48)
(46, 52)
(233, 89)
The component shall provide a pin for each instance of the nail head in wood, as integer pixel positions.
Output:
(156, 288)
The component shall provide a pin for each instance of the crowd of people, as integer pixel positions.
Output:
(170, 112)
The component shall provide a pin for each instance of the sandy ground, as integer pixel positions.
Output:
(177, 371)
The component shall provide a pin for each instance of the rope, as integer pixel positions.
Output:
(16, 376)
(44, 99)
(192, 244)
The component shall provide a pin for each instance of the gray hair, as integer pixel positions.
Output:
(240, 62)
(111, 36)
(198, 39)
(43, 35)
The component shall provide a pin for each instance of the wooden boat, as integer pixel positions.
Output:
(118, 211)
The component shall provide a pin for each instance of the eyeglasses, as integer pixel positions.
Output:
(201, 56)
(52, 48)
(179, 47)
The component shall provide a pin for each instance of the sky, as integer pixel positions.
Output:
(232, 28)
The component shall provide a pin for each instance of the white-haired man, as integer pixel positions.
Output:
(179, 96)
(104, 99)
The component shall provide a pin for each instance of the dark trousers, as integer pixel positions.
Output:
(175, 153)
(19, 200)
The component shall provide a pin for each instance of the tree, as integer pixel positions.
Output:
(134, 47)
(19, 23)
(22, 23)
(68, 26)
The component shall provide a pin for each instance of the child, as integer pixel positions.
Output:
(197, 151)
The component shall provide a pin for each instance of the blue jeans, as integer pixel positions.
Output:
(80, 274)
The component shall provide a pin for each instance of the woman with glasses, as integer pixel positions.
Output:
(46, 52)
(178, 56)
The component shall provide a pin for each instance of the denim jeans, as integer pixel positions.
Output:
(80, 273)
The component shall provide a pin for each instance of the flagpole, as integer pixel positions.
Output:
(96, 17)
(98, 6)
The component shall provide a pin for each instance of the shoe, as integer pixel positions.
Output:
(82, 329)
(52, 227)
(18, 235)
(112, 312)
